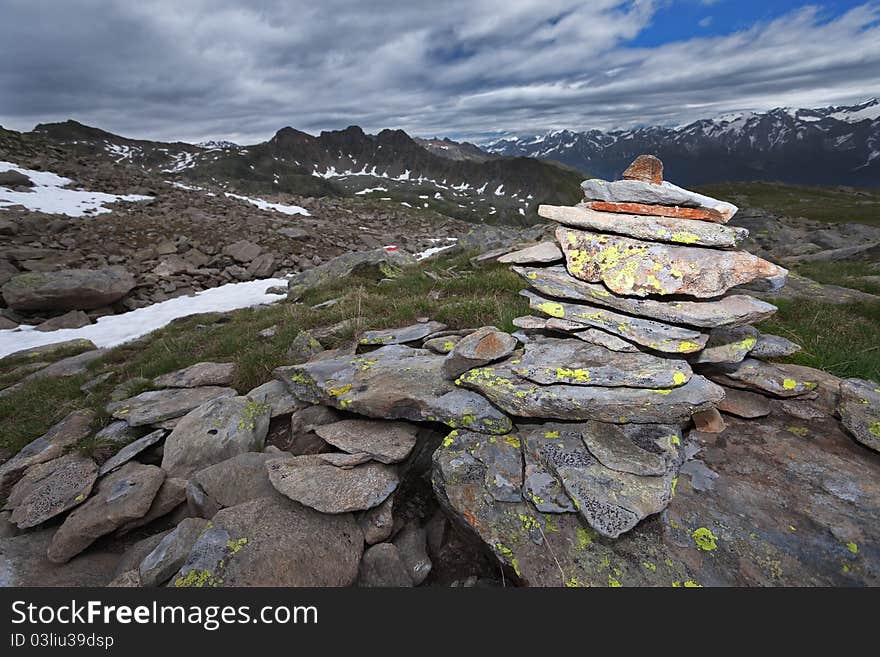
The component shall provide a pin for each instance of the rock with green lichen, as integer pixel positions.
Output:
(50, 489)
(156, 406)
(728, 345)
(521, 397)
(645, 332)
(276, 394)
(303, 348)
(732, 310)
(120, 497)
(653, 228)
(330, 489)
(550, 361)
(394, 382)
(575, 330)
(214, 432)
(402, 335)
(483, 346)
(757, 375)
(274, 542)
(442, 345)
(859, 410)
(638, 268)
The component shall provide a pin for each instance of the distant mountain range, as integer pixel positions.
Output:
(830, 146)
(456, 179)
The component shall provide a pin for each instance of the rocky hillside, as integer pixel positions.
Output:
(454, 179)
(831, 146)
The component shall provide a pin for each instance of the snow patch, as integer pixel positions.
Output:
(266, 205)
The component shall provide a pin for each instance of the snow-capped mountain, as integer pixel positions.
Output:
(831, 145)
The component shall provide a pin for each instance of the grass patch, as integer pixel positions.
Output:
(843, 339)
(846, 273)
(830, 204)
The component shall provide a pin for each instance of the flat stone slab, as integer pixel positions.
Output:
(383, 441)
(773, 346)
(274, 542)
(643, 209)
(637, 191)
(575, 330)
(483, 346)
(170, 554)
(156, 406)
(213, 432)
(331, 489)
(763, 377)
(651, 228)
(733, 310)
(402, 335)
(728, 345)
(23, 562)
(238, 479)
(397, 383)
(859, 409)
(550, 361)
(131, 450)
(520, 397)
(198, 375)
(744, 404)
(638, 268)
(120, 497)
(50, 489)
(545, 252)
(646, 332)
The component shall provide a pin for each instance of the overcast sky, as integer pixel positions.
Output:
(242, 69)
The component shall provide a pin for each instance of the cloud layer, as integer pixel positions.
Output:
(241, 69)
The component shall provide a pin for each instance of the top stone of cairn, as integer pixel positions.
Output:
(646, 168)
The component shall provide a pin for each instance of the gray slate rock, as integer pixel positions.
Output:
(274, 542)
(171, 495)
(303, 348)
(122, 496)
(131, 450)
(773, 346)
(238, 479)
(331, 489)
(276, 394)
(23, 563)
(378, 263)
(386, 442)
(377, 523)
(637, 191)
(859, 410)
(411, 544)
(156, 406)
(544, 252)
(395, 382)
(169, 555)
(195, 376)
(762, 377)
(402, 335)
(728, 345)
(50, 489)
(69, 320)
(214, 432)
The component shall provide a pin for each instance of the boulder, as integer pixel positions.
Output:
(13, 179)
(859, 410)
(523, 398)
(442, 345)
(331, 489)
(274, 542)
(386, 442)
(195, 376)
(639, 191)
(120, 497)
(303, 348)
(650, 228)
(47, 351)
(214, 432)
(637, 268)
(243, 251)
(68, 289)
(156, 406)
(646, 332)
(483, 346)
(394, 382)
(378, 263)
(23, 563)
(50, 489)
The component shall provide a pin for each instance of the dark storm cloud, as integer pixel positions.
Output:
(240, 70)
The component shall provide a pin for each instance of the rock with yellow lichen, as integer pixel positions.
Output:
(728, 345)
(768, 378)
(859, 410)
